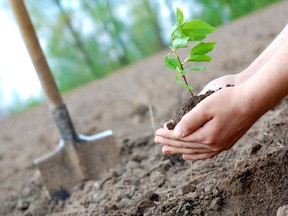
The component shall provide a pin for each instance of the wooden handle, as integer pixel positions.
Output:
(28, 33)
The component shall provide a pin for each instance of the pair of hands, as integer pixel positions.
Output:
(221, 119)
(213, 126)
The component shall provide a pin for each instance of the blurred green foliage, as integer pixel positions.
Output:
(85, 40)
(217, 12)
(20, 105)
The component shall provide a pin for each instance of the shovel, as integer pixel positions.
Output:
(77, 157)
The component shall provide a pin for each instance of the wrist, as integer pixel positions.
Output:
(251, 100)
(244, 76)
(257, 98)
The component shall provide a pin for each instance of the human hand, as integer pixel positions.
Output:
(220, 83)
(213, 126)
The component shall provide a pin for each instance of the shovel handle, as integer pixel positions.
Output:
(30, 38)
(57, 107)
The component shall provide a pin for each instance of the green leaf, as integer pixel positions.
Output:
(173, 30)
(198, 37)
(203, 48)
(172, 63)
(197, 29)
(199, 58)
(179, 17)
(195, 68)
(177, 78)
(180, 42)
(178, 33)
(176, 29)
(198, 26)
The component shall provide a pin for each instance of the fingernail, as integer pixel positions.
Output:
(164, 151)
(178, 131)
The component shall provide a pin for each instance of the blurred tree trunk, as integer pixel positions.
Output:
(102, 12)
(79, 43)
(154, 20)
(117, 26)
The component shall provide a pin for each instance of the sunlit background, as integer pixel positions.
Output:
(85, 40)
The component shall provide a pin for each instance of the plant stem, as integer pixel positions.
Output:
(183, 76)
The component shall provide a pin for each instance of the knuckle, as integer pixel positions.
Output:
(206, 114)
(215, 148)
(182, 145)
(210, 140)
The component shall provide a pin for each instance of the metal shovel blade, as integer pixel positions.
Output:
(73, 162)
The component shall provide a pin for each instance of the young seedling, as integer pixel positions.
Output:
(184, 32)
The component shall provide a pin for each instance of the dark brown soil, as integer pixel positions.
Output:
(250, 179)
(188, 106)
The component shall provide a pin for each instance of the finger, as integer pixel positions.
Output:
(192, 121)
(179, 144)
(201, 136)
(207, 134)
(174, 150)
(166, 133)
(202, 156)
(211, 134)
(198, 136)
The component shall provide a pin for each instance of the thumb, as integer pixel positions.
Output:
(190, 122)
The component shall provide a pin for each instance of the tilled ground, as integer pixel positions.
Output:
(250, 179)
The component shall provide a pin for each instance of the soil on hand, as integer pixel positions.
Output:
(250, 179)
(188, 106)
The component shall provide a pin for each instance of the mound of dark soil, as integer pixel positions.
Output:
(189, 105)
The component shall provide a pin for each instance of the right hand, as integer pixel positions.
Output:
(220, 82)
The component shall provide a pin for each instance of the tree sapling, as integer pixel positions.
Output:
(184, 32)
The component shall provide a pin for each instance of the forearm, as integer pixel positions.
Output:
(264, 57)
(270, 84)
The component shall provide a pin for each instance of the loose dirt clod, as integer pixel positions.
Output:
(189, 105)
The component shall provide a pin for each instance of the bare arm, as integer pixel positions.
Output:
(255, 66)
(263, 57)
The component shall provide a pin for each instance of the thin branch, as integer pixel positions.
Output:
(183, 76)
